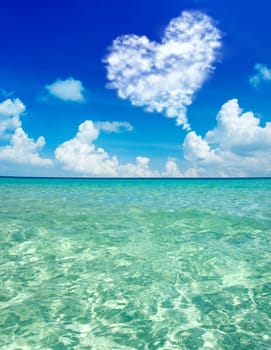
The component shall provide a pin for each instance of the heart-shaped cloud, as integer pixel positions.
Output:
(163, 77)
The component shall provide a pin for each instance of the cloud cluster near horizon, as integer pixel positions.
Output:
(18, 147)
(237, 146)
(80, 155)
(163, 77)
(67, 90)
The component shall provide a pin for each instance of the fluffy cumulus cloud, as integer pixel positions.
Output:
(10, 112)
(237, 146)
(198, 149)
(18, 147)
(172, 169)
(81, 156)
(138, 169)
(67, 90)
(263, 74)
(24, 150)
(163, 77)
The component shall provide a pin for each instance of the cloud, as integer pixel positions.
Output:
(78, 155)
(10, 112)
(20, 149)
(171, 169)
(24, 150)
(163, 77)
(263, 74)
(237, 146)
(238, 131)
(67, 90)
(139, 169)
(81, 156)
(115, 126)
(197, 149)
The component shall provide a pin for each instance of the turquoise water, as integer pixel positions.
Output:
(135, 264)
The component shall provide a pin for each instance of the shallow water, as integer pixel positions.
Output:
(135, 264)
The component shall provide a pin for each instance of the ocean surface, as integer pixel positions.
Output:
(135, 264)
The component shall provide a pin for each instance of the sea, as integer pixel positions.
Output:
(135, 264)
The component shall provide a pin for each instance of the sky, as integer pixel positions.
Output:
(176, 88)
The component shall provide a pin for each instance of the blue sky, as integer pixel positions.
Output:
(139, 88)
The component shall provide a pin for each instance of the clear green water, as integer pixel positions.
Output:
(135, 264)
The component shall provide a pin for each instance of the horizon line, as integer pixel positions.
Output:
(134, 178)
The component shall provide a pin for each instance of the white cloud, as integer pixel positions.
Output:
(24, 150)
(195, 148)
(171, 169)
(239, 132)
(67, 90)
(20, 148)
(10, 111)
(113, 126)
(81, 156)
(263, 74)
(139, 169)
(163, 77)
(238, 146)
